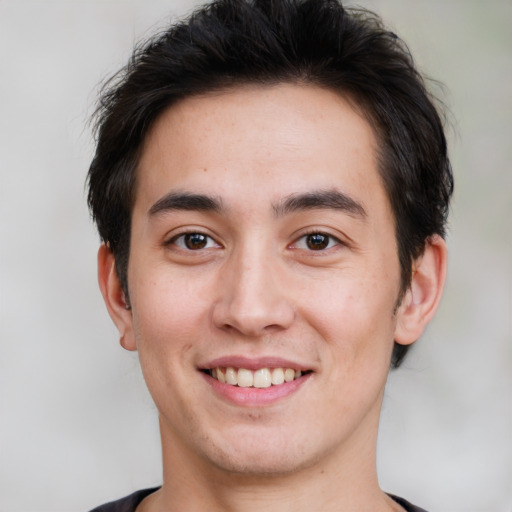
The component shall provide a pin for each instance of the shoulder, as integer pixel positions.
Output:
(409, 507)
(131, 502)
(126, 504)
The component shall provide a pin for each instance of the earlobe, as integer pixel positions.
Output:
(422, 299)
(114, 297)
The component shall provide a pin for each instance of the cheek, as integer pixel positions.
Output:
(165, 326)
(167, 313)
(355, 317)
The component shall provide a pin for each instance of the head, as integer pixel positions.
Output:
(231, 43)
(271, 183)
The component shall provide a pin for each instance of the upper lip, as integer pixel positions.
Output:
(253, 363)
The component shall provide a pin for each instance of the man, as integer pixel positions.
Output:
(271, 184)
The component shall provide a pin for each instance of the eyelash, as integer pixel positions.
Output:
(332, 241)
(330, 238)
(174, 241)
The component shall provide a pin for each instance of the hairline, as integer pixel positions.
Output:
(381, 150)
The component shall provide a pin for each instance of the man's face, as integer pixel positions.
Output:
(263, 241)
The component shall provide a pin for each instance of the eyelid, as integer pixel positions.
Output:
(318, 231)
(171, 240)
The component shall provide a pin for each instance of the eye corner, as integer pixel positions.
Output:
(192, 241)
(316, 240)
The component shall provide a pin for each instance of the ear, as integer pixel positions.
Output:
(422, 299)
(114, 297)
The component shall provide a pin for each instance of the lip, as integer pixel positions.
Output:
(254, 363)
(255, 397)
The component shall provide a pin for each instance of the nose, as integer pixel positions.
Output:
(252, 301)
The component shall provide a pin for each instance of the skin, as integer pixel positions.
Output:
(257, 290)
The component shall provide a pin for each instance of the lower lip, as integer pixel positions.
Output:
(255, 397)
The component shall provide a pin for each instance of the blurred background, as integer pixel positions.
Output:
(77, 427)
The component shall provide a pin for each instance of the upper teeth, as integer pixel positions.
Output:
(262, 378)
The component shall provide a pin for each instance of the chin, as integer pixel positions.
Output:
(261, 456)
(260, 464)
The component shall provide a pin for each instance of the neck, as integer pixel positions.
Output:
(344, 480)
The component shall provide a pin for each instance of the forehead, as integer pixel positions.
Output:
(286, 137)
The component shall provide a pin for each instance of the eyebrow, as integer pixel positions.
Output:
(320, 199)
(186, 201)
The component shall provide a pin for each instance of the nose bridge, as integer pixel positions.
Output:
(252, 300)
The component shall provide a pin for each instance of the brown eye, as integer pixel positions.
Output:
(195, 241)
(317, 241)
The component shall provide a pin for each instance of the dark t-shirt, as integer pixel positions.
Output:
(130, 503)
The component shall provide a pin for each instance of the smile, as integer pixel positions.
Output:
(260, 378)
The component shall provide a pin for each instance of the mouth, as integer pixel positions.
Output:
(259, 378)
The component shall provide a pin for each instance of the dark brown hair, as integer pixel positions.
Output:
(231, 42)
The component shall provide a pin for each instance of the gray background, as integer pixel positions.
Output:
(76, 425)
